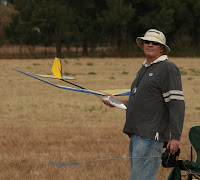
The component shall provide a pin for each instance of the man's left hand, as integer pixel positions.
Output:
(174, 145)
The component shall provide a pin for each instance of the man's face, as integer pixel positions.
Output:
(153, 49)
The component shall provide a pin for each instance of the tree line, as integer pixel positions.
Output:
(93, 23)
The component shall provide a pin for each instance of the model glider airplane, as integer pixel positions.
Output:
(57, 74)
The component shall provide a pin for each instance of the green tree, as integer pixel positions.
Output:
(63, 22)
(115, 20)
(86, 23)
(50, 17)
(21, 30)
(86, 28)
(39, 22)
(179, 20)
(196, 22)
(6, 14)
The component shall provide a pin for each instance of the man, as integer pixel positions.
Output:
(155, 109)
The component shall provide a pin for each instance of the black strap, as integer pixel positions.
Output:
(141, 74)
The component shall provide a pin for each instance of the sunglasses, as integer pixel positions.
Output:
(153, 42)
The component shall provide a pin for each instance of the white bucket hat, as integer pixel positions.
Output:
(153, 35)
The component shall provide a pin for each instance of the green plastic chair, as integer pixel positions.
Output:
(193, 168)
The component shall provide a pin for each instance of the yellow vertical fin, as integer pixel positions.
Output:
(57, 68)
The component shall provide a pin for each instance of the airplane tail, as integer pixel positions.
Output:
(57, 68)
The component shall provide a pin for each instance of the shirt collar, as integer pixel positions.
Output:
(160, 59)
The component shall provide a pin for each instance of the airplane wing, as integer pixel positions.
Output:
(118, 92)
(64, 87)
(57, 74)
(54, 77)
(101, 95)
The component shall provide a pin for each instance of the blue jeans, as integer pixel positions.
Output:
(144, 168)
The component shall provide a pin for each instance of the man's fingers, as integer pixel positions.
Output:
(107, 102)
(174, 145)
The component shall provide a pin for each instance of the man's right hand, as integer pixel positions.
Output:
(107, 102)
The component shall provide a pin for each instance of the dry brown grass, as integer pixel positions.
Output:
(40, 123)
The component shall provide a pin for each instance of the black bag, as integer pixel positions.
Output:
(169, 160)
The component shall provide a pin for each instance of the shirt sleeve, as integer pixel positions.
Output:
(173, 96)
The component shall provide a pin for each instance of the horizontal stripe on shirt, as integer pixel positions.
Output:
(173, 94)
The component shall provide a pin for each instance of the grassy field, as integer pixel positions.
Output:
(40, 123)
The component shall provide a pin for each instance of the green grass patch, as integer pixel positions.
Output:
(36, 64)
(90, 64)
(96, 108)
(92, 73)
(195, 71)
(190, 78)
(196, 90)
(66, 62)
(92, 108)
(124, 72)
(78, 63)
(112, 77)
(68, 74)
(183, 73)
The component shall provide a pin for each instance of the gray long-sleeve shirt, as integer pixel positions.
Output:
(156, 109)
